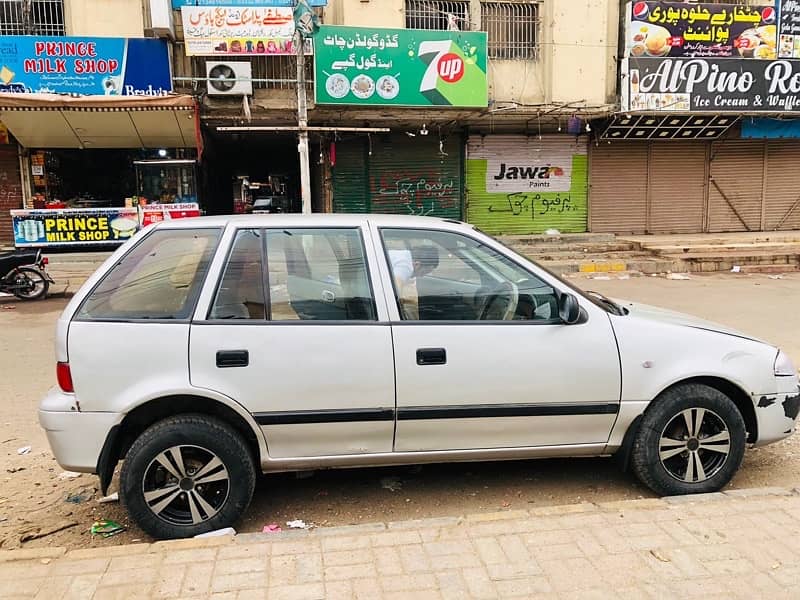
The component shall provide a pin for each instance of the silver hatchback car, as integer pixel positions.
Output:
(205, 350)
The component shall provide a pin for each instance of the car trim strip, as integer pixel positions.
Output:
(422, 413)
(504, 410)
(295, 417)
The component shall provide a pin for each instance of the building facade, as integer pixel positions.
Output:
(519, 116)
(508, 152)
(706, 135)
(94, 129)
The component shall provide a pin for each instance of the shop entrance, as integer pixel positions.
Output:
(111, 178)
(260, 171)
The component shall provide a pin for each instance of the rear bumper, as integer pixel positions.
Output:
(76, 438)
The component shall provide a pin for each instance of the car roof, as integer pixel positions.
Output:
(311, 220)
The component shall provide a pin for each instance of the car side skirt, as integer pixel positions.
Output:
(272, 465)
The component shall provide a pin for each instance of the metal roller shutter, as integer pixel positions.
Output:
(676, 193)
(350, 194)
(519, 184)
(736, 185)
(782, 201)
(618, 187)
(414, 176)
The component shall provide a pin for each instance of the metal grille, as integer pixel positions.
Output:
(269, 72)
(437, 14)
(32, 17)
(513, 28)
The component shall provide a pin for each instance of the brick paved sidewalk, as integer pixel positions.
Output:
(740, 544)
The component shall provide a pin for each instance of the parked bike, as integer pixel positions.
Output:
(23, 273)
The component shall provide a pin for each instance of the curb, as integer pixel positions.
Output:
(45, 555)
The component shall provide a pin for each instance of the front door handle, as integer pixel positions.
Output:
(431, 356)
(232, 358)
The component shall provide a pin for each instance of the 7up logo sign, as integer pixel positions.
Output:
(452, 76)
(451, 67)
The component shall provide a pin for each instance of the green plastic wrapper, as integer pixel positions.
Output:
(106, 528)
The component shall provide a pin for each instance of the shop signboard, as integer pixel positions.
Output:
(178, 4)
(520, 184)
(86, 66)
(221, 30)
(661, 29)
(710, 85)
(78, 226)
(788, 28)
(400, 67)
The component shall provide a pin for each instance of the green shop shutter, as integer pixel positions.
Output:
(414, 176)
(350, 194)
(518, 184)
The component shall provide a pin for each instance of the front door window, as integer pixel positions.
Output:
(444, 276)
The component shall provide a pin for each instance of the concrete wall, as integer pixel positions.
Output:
(112, 18)
(366, 13)
(577, 50)
(583, 50)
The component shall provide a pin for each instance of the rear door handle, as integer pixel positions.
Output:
(431, 356)
(232, 358)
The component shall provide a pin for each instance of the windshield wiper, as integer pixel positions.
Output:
(615, 308)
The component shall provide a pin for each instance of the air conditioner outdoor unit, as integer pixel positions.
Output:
(162, 22)
(229, 78)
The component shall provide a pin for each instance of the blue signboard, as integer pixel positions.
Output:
(176, 4)
(770, 129)
(86, 66)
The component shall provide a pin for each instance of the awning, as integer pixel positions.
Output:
(56, 121)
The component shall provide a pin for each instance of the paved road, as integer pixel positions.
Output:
(35, 501)
(735, 545)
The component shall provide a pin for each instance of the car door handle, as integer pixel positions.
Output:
(232, 358)
(431, 356)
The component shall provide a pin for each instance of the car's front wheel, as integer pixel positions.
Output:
(691, 440)
(187, 475)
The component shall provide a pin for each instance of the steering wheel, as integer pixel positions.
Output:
(500, 304)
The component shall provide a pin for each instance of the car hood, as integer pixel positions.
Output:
(654, 313)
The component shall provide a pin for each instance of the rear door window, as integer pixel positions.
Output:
(241, 292)
(159, 278)
(318, 274)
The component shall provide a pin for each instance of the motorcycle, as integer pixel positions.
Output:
(23, 273)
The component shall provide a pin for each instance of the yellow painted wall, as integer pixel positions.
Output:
(104, 18)
(371, 13)
(576, 62)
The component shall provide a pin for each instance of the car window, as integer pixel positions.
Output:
(158, 279)
(318, 274)
(443, 276)
(240, 294)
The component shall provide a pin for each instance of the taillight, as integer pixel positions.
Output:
(64, 376)
(45, 261)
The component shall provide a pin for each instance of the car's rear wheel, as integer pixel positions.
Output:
(187, 475)
(691, 440)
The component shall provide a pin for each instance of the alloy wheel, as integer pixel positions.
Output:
(186, 485)
(694, 445)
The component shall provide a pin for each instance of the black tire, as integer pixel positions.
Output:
(198, 439)
(664, 431)
(34, 278)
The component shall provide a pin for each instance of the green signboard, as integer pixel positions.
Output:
(400, 67)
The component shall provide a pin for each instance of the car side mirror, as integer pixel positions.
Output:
(568, 309)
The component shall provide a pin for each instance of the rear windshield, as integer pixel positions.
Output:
(159, 278)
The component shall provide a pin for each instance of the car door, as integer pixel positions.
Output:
(501, 370)
(292, 332)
